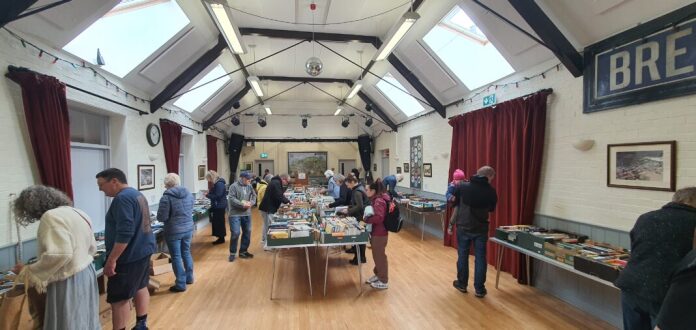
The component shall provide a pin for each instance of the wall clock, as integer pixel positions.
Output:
(153, 134)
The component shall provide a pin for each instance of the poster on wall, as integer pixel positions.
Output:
(416, 155)
(201, 172)
(146, 177)
(649, 165)
(312, 164)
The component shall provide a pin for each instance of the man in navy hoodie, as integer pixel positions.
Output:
(474, 200)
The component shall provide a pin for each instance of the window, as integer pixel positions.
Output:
(404, 102)
(129, 33)
(465, 50)
(192, 100)
(88, 128)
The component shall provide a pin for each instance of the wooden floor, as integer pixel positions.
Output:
(420, 295)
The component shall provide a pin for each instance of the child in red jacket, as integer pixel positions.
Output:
(378, 237)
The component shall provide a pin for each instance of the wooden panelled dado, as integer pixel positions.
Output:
(653, 61)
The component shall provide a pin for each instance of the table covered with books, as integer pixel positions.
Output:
(424, 207)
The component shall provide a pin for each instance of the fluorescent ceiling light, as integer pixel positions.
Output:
(356, 88)
(400, 30)
(255, 85)
(338, 111)
(223, 19)
(268, 109)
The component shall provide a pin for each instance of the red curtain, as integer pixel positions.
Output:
(510, 138)
(211, 143)
(48, 123)
(171, 140)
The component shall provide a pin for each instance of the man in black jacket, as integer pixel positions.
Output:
(274, 197)
(475, 199)
(659, 241)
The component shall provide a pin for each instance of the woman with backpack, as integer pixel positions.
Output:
(356, 209)
(379, 201)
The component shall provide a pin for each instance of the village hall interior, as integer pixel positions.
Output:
(347, 164)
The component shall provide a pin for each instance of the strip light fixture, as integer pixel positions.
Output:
(223, 19)
(268, 109)
(338, 110)
(399, 31)
(255, 85)
(356, 88)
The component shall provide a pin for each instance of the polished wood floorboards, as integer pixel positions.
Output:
(420, 295)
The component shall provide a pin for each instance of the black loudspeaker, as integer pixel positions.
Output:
(365, 149)
(234, 152)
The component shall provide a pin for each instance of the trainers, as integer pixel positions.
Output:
(231, 258)
(481, 294)
(379, 285)
(140, 326)
(372, 279)
(175, 289)
(245, 255)
(457, 285)
(267, 249)
(354, 261)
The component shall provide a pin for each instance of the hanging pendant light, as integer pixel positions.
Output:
(313, 66)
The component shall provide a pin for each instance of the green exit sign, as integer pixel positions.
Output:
(264, 155)
(489, 100)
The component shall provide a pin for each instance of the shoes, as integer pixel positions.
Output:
(220, 240)
(481, 294)
(267, 249)
(189, 282)
(351, 250)
(379, 285)
(245, 255)
(372, 279)
(139, 326)
(457, 285)
(231, 258)
(175, 289)
(355, 261)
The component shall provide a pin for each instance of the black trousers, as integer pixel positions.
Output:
(217, 219)
(361, 249)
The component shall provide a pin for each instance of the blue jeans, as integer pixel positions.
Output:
(635, 314)
(179, 246)
(237, 221)
(464, 241)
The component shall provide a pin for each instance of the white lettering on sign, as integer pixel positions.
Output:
(615, 70)
(673, 52)
(650, 62)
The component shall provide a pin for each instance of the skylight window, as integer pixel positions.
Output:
(193, 99)
(465, 50)
(129, 33)
(404, 102)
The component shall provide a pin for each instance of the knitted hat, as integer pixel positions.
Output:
(459, 175)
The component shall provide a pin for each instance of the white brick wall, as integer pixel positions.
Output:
(573, 184)
(129, 145)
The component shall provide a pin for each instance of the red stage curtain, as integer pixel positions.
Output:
(48, 123)
(171, 140)
(211, 144)
(510, 138)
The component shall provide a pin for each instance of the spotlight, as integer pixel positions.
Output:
(368, 122)
(304, 122)
(368, 107)
(262, 121)
(236, 105)
(345, 122)
(235, 120)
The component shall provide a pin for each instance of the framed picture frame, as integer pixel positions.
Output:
(398, 170)
(645, 165)
(406, 167)
(247, 166)
(201, 172)
(374, 167)
(428, 170)
(146, 177)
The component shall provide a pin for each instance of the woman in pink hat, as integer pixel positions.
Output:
(457, 177)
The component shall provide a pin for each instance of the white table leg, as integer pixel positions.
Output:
(422, 226)
(309, 271)
(326, 269)
(529, 272)
(359, 269)
(498, 264)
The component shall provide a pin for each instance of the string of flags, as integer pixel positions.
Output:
(54, 59)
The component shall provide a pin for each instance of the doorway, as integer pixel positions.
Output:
(385, 164)
(260, 166)
(345, 165)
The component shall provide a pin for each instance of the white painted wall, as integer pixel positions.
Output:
(278, 152)
(128, 142)
(573, 184)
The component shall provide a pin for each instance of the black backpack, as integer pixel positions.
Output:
(393, 221)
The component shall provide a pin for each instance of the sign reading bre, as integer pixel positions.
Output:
(633, 68)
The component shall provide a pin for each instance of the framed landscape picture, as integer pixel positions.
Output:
(428, 170)
(146, 177)
(648, 165)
